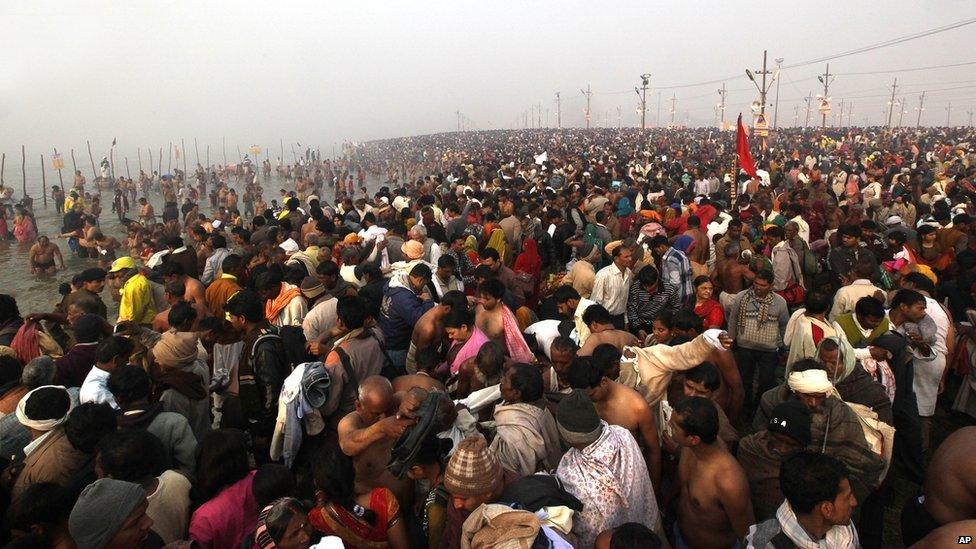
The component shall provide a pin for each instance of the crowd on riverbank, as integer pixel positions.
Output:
(552, 338)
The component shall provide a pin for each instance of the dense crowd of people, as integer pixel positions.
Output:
(601, 338)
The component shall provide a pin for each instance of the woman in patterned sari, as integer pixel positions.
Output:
(366, 521)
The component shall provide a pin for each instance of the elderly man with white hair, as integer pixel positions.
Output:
(432, 248)
(834, 426)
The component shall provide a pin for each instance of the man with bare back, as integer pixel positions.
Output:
(949, 491)
(732, 275)
(368, 434)
(714, 506)
(42, 255)
(428, 332)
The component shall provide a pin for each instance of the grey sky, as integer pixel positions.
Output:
(322, 72)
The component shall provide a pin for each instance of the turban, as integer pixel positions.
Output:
(41, 424)
(810, 382)
(176, 349)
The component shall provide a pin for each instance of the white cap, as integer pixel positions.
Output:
(893, 220)
(216, 223)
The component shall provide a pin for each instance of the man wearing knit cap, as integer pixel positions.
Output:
(762, 453)
(111, 514)
(605, 469)
(474, 476)
(834, 428)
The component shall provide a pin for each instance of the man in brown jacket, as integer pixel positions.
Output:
(50, 457)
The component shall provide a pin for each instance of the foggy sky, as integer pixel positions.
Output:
(319, 73)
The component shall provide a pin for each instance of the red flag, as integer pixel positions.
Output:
(742, 148)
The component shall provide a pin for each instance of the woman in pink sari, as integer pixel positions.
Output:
(466, 338)
(24, 229)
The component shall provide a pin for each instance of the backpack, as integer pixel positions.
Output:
(293, 340)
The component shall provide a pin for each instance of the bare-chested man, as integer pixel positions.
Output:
(490, 312)
(146, 213)
(620, 405)
(949, 490)
(367, 435)
(42, 255)
(428, 332)
(732, 275)
(194, 290)
(714, 506)
(602, 330)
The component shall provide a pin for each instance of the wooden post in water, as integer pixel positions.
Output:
(197, 150)
(282, 143)
(92, 158)
(150, 161)
(183, 148)
(160, 162)
(74, 167)
(60, 177)
(111, 162)
(127, 173)
(3, 164)
(239, 155)
(208, 156)
(169, 166)
(223, 145)
(139, 152)
(23, 167)
(43, 182)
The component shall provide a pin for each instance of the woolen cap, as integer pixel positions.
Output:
(577, 420)
(101, 510)
(473, 468)
(791, 418)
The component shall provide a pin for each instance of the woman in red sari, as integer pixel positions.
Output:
(367, 521)
(529, 263)
(706, 307)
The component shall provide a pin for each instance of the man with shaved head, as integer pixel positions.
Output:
(367, 435)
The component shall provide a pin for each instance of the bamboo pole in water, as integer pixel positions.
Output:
(197, 150)
(169, 166)
(150, 161)
(128, 174)
(92, 158)
(223, 145)
(43, 182)
(74, 167)
(23, 167)
(160, 162)
(208, 156)
(139, 152)
(3, 164)
(183, 148)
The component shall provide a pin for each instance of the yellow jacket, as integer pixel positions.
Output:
(137, 300)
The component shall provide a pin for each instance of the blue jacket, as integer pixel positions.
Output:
(400, 310)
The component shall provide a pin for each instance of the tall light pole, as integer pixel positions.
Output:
(642, 94)
(762, 129)
(779, 67)
(825, 98)
(673, 99)
(891, 103)
(559, 113)
(722, 93)
(588, 94)
(809, 101)
(796, 115)
(948, 113)
(904, 111)
(920, 108)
